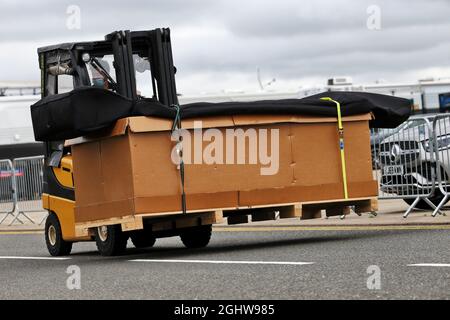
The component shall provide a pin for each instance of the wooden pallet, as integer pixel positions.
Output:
(261, 214)
(156, 222)
(168, 221)
(313, 210)
(302, 210)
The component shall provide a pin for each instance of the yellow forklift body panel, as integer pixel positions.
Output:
(64, 210)
(64, 173)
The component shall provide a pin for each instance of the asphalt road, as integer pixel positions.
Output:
(239, 265)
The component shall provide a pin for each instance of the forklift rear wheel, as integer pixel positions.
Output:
(110, 240)
(142, 239)
(196, 237)
(56, 245)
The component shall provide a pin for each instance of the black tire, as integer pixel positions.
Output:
(435, 199)
(110, 240)
(142, 239)
(56, 245)
(196, 237)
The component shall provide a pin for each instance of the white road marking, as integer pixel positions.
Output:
(32, 258)
(224, 261)
(429, 265)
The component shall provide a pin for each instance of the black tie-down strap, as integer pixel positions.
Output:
(177, 126)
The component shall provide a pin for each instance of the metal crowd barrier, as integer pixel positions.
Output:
(441, 138)
(404, 164)
(7, 189)
(29, 186)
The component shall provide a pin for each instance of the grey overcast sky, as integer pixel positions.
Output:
(218, 45)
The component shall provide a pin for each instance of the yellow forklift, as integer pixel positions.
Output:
(135, 65)
(88, 86)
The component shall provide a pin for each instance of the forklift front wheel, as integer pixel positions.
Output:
(196, 237)
(56, 245)
(110, 240)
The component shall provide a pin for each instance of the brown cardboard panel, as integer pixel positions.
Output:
(149, 124)
(145, 124)
(160, 176)
(154, 173)
(290, 194)
(315, 153)
(157, 204)
(359, 189)
(200, 178)
(322, 139)
(213, 200)
(357, 151)
(134, 172)
(193, 202)
(210, 122)
(240, 120)
(306, 193)
(104, 210)
(102, 171)
(118, 129)
(87, 173)
(117, 173)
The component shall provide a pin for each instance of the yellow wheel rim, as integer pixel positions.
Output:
(52, 235)
(103, 233)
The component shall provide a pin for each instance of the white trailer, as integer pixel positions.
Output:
(16, 130)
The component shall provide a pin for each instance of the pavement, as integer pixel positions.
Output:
(390, 213)
(257, 264)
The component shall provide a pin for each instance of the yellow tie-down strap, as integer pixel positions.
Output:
(341, 144)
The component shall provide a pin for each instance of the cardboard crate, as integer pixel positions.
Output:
(129, 170)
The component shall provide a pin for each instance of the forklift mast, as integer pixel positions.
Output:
(134, 64)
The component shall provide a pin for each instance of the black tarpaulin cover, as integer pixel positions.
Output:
(85, 110)
(76, 113)
(389, 111)
(88, 109)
